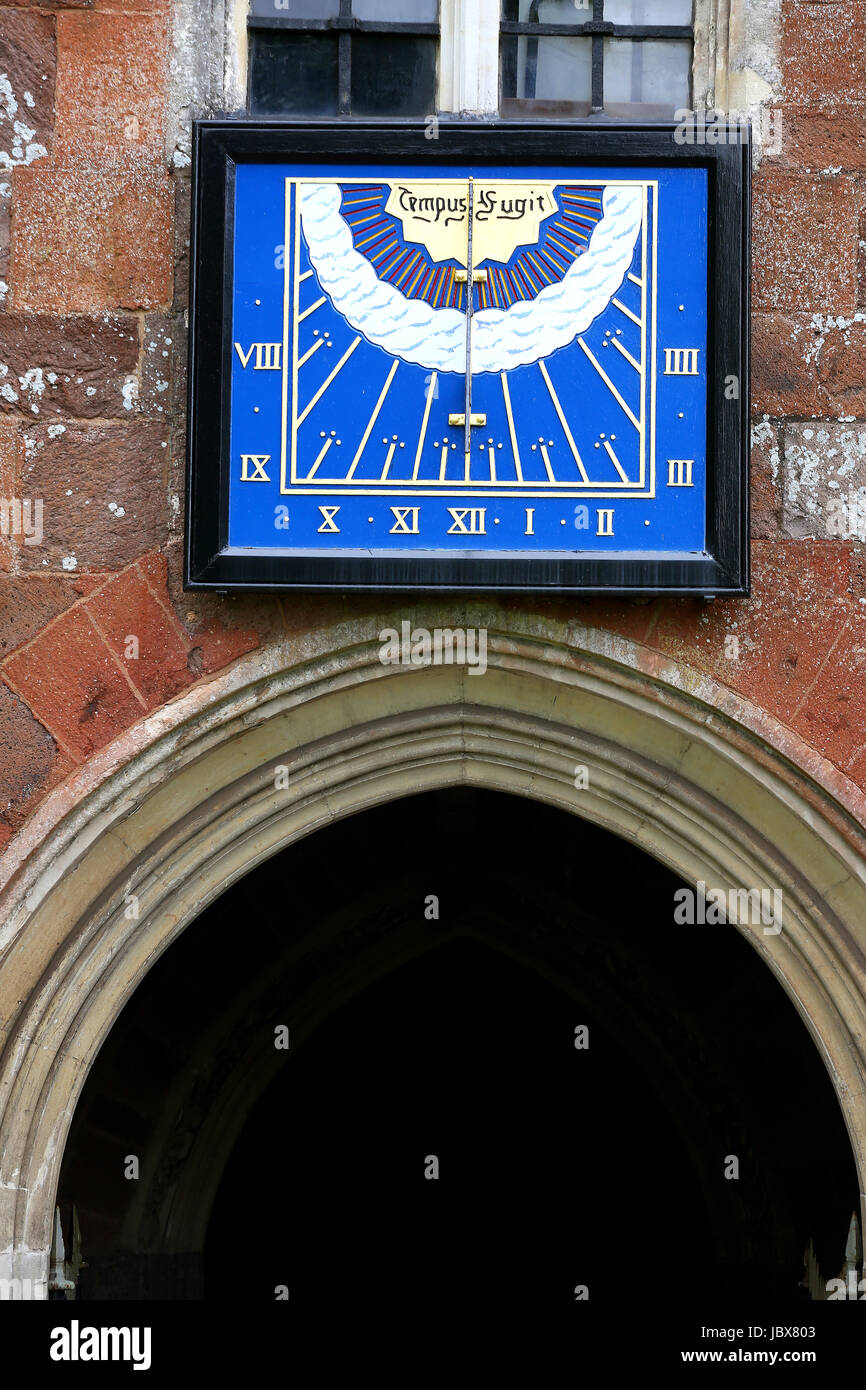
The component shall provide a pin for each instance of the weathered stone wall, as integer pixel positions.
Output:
(94, 198)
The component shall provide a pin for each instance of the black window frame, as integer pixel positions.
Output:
(598, 29)
(219, 146)
(344, 25)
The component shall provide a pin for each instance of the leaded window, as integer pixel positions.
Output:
(343, 57)
(620, 58)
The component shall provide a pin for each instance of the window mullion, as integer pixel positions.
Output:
(597, 73)
(597, 59)
(344, 74)
(344, 63)
(469, 57)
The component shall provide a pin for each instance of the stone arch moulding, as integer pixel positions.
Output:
(185, 803)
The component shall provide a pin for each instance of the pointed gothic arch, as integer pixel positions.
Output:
(132, 848)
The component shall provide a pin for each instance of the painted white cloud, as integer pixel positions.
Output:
(501, 338)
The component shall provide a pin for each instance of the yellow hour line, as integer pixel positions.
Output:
(652, 348)
(430, 394)
(328, 379)
(507, 398)
(610, 386)
(628, 357)
(615, 461)
(312, 309)
(562, 420)
(443, 463)
(628, 313)
(388, 459)
(643, 342)
(546, 456)
(291, 260)
(372, 420)
(467, 462)
(306, 275)
(324, 449)
(634, 279)
(491, 455)
(307, 355)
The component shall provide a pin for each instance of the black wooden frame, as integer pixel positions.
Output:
(219, 145)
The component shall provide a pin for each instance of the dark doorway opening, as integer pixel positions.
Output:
(432, 960)
(546, 1155)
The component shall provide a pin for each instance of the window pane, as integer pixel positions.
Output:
(295, 9)
(562, 12)
(418, 11)
(293, 74)
(393, 75)
(648, 11)
(615, 11)
(548, 11)
(556, 11)
(655, 71)
(549, 69)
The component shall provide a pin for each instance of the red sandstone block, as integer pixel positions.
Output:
(805, 243)
(813, 140)
(784, 376)
(183, 195)
(111, 88)
(103, 490)
(28, 61)
(833, 714)
(163, 366)
(842, 367)
(800, 601)
(73, 685)
(809, 366)
(60, 769)
(765, 493)
(630, 618)
(5, 236)
(210, 643)
(49, 4)
(134, 6)
(154, 567)
(799, 606)
(41, 781)
(28, 753)
(856, 768)
(84, 239)
(143, 636)
(11, 453)
(78, 365)
(29, 602)
(216, 646)
(822, 477)
(823, 53)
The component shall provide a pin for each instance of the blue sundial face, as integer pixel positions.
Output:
(563, 310)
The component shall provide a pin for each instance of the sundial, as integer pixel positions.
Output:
(483, 371)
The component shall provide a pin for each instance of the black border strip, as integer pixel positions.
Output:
(219, 145)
